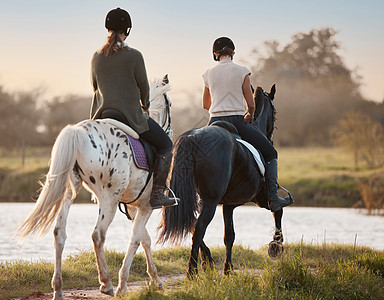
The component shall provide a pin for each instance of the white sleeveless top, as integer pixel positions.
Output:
(225, 82)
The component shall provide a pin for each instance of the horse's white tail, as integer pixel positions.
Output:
(63, 158)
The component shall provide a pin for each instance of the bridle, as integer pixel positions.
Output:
(273, 112)
(167, 122)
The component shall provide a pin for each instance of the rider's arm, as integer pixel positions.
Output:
(247, 92)
(206, 98)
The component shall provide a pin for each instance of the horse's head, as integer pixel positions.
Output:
(160, 108)
(265, 113)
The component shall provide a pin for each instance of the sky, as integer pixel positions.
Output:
(48, 44)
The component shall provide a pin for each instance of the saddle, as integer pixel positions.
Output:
(143, 153)
(255, 152)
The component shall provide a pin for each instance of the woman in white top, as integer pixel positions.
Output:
(226, 84)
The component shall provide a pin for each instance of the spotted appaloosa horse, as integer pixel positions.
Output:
(97, 155)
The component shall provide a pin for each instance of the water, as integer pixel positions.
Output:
(253, 226)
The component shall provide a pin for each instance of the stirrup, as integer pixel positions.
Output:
(289, 194)
(177, 200)
(174, 198)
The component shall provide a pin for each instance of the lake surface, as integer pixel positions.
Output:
(254, 228)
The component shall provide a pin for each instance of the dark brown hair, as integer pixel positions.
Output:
(226, 51)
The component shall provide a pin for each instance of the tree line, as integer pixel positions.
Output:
(315, 91)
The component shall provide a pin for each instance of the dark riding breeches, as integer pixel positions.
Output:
(250, 134)
(155, 135)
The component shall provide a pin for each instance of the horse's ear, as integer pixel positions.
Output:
(272, 92)
(165, 79)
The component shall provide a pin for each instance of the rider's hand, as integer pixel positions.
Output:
(248, 118)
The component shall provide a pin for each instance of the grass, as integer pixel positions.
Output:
(305, 271)
(324, 177)
(321, 176)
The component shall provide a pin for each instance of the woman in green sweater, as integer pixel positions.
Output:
(121, 92)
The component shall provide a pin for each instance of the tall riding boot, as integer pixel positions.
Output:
(160, 174)
(275, 202)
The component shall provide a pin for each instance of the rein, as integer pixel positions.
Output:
(273, 116)
(167, 122)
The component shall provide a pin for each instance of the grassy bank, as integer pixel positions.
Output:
(304, 272)
(315, 176)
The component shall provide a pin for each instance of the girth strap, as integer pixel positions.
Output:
(124, 204)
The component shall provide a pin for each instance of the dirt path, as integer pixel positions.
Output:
(93, 293)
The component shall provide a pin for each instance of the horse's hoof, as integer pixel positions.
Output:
(58, 296)
(191, 275)
(208, 265)
(107, 292)
(156, 283)
(160, 285)
(228, 272)
(275, 249)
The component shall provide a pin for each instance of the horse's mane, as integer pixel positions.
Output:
(157, 89)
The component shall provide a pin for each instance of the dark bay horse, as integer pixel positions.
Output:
(210, 163)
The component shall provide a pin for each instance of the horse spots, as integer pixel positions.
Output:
(102, 217)
(94, 127)
(92, 141)
(115, 155)
(56, 232)
(101, 175)
(111, 172)
(109, 153)
(92, 179)
(102, 163)
(117, 147)
(111, 130)
(125, 155)
(118, 134)
(78, 168)
(109, 185)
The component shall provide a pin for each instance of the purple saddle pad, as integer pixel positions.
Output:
(138, 153)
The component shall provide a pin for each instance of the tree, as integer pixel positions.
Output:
(358, 133)
(20, 118)
(61, 111)
(314, 86)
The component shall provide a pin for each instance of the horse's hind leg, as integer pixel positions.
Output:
(60, 237)
(275, 249)
(151, 268)
(107, 210)
(206, 216)
(278, 215)
(139, 223)
(206, 257)
(229, 237)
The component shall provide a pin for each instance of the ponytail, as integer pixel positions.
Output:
(226, 51)
(112, 45)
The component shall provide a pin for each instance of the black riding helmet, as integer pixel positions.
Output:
(118, 19)
(220, 43)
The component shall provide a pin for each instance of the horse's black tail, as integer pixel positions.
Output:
(180, 220)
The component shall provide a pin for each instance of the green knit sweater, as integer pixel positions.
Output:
(120, 82)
